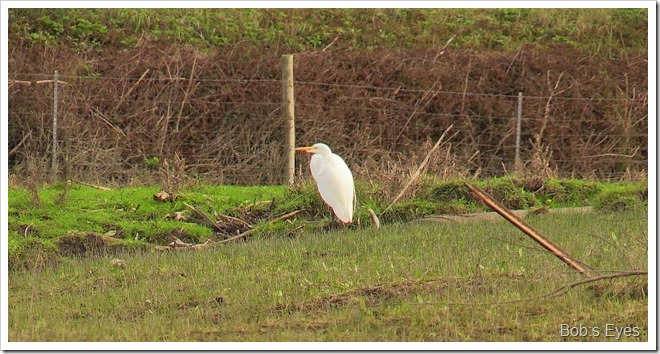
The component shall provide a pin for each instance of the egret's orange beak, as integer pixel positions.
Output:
(305, 149)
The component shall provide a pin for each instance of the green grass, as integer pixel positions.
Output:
(609, 32)
(37, 230)
(405, 282)
(127, 213)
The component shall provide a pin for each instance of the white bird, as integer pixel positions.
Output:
(334, 180)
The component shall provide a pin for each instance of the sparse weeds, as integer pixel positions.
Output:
(172, 176)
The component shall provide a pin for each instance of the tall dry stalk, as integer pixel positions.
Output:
(417, 173)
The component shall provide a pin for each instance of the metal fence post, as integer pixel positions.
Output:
(55, 101)
(517, 166)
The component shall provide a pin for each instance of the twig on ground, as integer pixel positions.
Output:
(234, 220)
(247, 233)
(563, 289)
(93, 186)
(205, 217)
(557, 292)
(177, 244)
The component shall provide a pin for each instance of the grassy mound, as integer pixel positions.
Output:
(65, 219)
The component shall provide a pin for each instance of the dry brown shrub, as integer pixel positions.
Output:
(378, 109)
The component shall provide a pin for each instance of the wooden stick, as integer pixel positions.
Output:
(235, 220)
(38, 82)
(185, 96)
(569, 286)
(123, 96)
(415, 175)
(209, 244)
(203, 216)
(557, 292)
(237, 237)
(518, 222)
(93, 186)
(565, 288)
(247, 233)
(15, 148)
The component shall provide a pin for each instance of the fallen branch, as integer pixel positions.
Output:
(247, 233)
(341, 298)
(15, 148)
(562, 289)
(537, 236)
(237, 237)
(124, 95)
(232, 219)
(93, 186)
(205, 217)
(565, 288)
(177, 244)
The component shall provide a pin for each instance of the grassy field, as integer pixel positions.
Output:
(600, 31)
(53, 220)
(408, 281)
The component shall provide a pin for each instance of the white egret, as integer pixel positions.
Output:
(334, 180)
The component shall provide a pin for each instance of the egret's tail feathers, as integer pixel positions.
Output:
(346, 216)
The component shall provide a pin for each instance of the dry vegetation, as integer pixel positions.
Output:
(124, 108)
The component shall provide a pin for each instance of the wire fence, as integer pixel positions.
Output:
(234, 131)
(37, 78)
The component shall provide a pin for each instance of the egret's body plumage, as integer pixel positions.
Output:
(334, 180)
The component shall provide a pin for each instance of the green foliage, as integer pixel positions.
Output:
(152, 162)
(511, 193)
(600, 30)
(619, 198)
(409, 210)
(571, 192)
(450, 190)
(132, 214)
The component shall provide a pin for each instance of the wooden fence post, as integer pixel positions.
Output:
(288, 112)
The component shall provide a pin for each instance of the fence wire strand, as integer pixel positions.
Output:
(399, 122)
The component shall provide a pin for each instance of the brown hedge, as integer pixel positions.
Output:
(220, 110)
